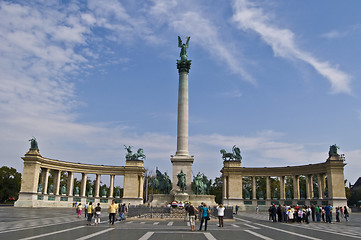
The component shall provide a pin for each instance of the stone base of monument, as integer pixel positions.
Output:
(196, 200)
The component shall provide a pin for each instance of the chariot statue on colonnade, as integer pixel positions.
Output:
(139, 155)
(234, 156)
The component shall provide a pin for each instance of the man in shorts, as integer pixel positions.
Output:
(192, 216)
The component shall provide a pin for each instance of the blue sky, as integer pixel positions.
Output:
(279, 79)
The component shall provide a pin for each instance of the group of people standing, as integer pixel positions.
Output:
(90, 211)
(204, 215)
(301, 214)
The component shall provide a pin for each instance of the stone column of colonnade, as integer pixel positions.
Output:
(56, 183)
(83, 185)
(296, 187)
(70, 184)
(321, 185)
(268, 188)
(309, 186)
(282, 188)
(97, 185)
(44, 179)
(111, 188)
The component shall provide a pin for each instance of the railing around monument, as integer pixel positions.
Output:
(148, 211)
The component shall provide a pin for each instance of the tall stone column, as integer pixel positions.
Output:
(296, 187)
(282, 186)
(321, 185)
(83, 185)
(111, 188)
(182, 161)
(57, 182)
(254, 188)
(46, 180)
(70, 183)
(97, 185)
(268, 188)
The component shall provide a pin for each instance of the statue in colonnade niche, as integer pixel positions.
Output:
(40, 188)
(63, 190)
(182, 181)
(104, 192)
(260, 194)
(275, 193)
(76, 191)
(51, 189)
(326, 192)
(302, 194)
(246, 194)
(90, 192)
(288, 194)
(117, 193)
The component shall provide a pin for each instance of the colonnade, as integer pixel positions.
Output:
(36, 173)
(330, 184)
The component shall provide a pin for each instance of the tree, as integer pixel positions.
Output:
(10, 182)
(216, 189)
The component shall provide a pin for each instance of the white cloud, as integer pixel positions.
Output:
(249, 16)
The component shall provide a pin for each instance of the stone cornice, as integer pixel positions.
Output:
(81, 167)
(280, 171)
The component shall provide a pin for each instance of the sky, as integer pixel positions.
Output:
(279, 79)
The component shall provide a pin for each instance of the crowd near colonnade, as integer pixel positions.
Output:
(37, 191)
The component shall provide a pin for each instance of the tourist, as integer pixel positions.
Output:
(337, 214)
(192, 216)
(323, 214)
(257, 209)
(341, 211)
(318, 215)
(345, 211)
(85, 207)
(90, 211)
(122, 210)
(313, 212)
(112, 211)
(220, 210)
(97, 214)
(186, 216)
(205, 217)
(237, 209)
(279, 213)
(79, 209)
(290, 215)
(273, 213)
(328, 213)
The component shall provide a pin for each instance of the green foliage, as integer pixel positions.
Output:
(10, 182)
(216, 189)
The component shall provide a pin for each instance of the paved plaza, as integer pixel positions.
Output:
(40, 223)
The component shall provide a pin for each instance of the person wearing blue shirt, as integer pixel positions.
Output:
(205, 217)
(328, 214)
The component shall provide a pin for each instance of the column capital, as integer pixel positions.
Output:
(183, 65)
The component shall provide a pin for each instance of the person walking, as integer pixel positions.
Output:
(205, 217)
(345, 211)
(192, 216)
(85, 207)
(313, 212)
(112, 211)
(79, 208)
(220, 213)
(90, 211)
(98, 209)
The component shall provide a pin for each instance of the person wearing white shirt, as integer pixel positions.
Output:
(220, 210)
